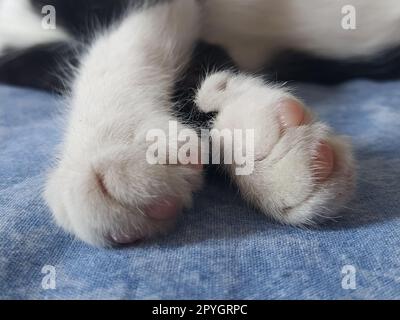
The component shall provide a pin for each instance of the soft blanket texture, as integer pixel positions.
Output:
(220, 248)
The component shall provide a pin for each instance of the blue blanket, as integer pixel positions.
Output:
(221, 248)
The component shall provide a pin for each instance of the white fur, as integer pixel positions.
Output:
(122, 91)
(255, 30)
(21, 27)
(103, 184)
(283, 183)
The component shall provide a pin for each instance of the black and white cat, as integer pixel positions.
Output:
(105, 192)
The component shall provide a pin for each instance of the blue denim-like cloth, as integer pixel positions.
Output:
(221, 248)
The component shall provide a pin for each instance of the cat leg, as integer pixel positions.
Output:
(103, 189)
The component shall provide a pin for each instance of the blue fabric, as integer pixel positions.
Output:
(219, 249)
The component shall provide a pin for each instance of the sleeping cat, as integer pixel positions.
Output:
(104, 191)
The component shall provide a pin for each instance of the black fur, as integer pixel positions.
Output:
(41, 67)
(296, 66)
(45, 66)
(37, 67)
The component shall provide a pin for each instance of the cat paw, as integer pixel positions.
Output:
(112, 195)
(302, 171)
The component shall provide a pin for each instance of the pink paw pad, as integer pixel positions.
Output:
(291, 113)
(165, 209)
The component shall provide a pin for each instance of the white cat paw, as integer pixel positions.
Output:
(302, 170)
(111, 195)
